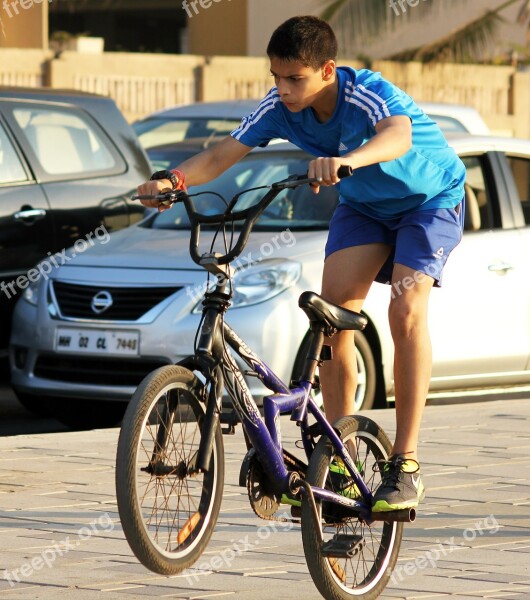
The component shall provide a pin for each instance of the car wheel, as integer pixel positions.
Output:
(366, 372)
(38, 405)
(87, 414)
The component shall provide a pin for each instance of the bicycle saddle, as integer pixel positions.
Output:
(319, 310)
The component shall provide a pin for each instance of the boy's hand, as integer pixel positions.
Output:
(325, 170)
(158, 185)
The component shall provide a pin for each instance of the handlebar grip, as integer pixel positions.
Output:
(344, 171)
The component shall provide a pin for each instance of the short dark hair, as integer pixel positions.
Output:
(305, 39)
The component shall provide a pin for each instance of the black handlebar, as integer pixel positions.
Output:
(248, 215)
(344, 171)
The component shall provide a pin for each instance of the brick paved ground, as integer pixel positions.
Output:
(471, 540)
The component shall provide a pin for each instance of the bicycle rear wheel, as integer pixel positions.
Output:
(167, 508)
(367, 572)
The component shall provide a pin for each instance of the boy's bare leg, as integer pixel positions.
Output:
(348, 275)
(413, 355)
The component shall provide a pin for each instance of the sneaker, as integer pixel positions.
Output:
(401, 486)
(286, 499)
(340, 479)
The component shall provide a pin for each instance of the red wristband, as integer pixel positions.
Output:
(181, 179)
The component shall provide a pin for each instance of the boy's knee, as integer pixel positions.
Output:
(404, 315)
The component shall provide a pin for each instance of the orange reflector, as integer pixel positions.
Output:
(337, 569)
(189, 526)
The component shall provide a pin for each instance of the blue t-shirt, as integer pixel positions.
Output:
(429, 175)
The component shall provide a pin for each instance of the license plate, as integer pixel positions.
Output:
(97, 341)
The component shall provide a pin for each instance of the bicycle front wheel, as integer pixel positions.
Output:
(167, 508)
(365, 573)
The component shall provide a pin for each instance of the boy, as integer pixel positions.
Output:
(400, 213)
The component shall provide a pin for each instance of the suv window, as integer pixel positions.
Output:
(11, 169)
(521, 174)
(64, 143)
(481, 213)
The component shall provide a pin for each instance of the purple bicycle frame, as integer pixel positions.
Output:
(264, 433)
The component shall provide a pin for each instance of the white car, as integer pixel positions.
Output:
(89, 333)
(213, 119)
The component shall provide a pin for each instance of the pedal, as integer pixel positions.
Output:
(343, 546)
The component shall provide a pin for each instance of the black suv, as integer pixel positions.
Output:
(68, 163)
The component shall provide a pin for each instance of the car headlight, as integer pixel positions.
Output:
(264, 280)
(259, 282)
(31, 293)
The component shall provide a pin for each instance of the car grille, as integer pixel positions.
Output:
(95, 371)
(128, 303)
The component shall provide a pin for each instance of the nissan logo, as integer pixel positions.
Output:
(101, 302)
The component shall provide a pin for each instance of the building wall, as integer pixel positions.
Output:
(261, 17)
(24, 27)
(217, 27)
(265, 16)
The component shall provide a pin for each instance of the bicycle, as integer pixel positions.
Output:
(170, 469)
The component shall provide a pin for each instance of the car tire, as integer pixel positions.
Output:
(87, 414)
(366, 367)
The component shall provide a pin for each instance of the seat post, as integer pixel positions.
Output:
(313, 356)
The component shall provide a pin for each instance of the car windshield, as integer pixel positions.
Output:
(163, 130)
(296, 209)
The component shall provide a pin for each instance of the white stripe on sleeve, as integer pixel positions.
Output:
(265, 105)
(366, 108)
(381, 101)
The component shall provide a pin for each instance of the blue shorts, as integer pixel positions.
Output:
(421, 240)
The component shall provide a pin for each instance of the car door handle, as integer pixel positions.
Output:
(501, 268)
(29, 215)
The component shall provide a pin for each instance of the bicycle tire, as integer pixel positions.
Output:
(168, 516)
(365, 575)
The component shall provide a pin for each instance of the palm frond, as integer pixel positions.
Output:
(363, 19)
(464, 44)
(333, 7)
(524, 12)
(358, 19)
(357, 22)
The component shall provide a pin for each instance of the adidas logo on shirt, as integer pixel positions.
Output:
(439, 253)
(343, 147)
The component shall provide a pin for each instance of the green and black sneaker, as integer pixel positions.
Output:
(340, 479)
(401, 486)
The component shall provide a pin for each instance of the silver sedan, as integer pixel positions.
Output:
(88, 331)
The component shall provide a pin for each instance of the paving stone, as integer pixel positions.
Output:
(475, 460)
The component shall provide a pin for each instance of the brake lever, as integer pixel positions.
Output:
(165, 198)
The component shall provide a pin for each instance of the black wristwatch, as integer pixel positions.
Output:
(166, 175)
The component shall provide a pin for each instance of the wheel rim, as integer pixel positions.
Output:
(360, 392)
(360, 574)
(175, 508)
